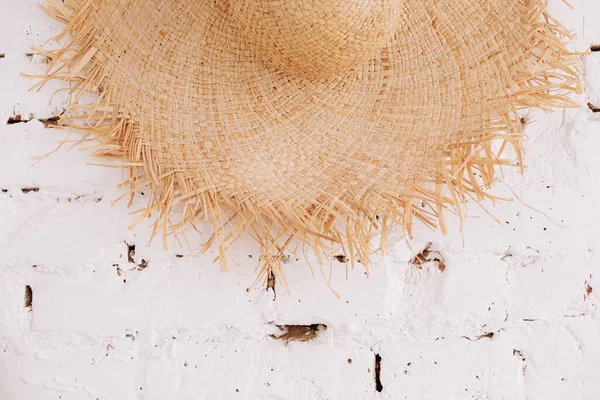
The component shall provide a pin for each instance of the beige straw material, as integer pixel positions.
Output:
(309, 123)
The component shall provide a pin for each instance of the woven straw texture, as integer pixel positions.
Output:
(308, 123)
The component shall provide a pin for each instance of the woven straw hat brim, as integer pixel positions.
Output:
(222, 136)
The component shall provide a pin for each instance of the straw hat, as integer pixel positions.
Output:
(309, 122)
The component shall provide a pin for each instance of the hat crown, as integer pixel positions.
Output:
(317, 38)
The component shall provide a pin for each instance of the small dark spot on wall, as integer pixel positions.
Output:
(341, 258)
(179, 255)
(427, 255)
(488, 335)
(595, 47)
(588, 290)
(50, 122)
(28, 297)
(300, 333)
(142, 265)
(30, 189)
(378, 385)
(271, 283)
(520, 355)
(130, 252)
(16, 119)
(593, 108)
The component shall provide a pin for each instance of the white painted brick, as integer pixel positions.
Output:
(77, 303)
(21, 146)
(451, 368)
(261, 370)
(312, 301)
(592, 78)
(72, 374)
(185, 297)
(29, 233)
(529, 360)
(14, 316)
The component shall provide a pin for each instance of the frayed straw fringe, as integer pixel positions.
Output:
(549, 75)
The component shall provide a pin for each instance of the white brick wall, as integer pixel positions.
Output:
(515, 314)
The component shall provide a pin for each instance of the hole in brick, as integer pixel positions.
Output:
(428, 255)
(30, 189)
(50, 122)
(28, 297)
(299, 333)
(130, 252)
(593, 108)
(143, 265)
(595, 47)
(378, 385)
(487, 335)
(271, 283)
(16, 119)
(341, 258)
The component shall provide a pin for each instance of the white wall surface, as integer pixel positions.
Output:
(514, 315)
